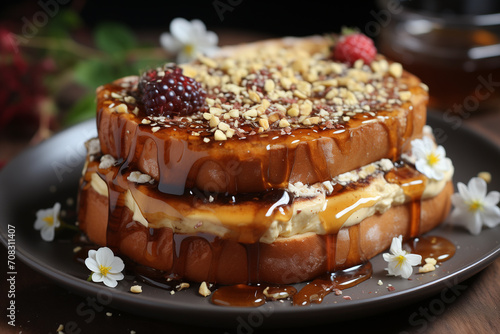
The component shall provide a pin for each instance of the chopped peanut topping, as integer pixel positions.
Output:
(219, 135)
(280, 88)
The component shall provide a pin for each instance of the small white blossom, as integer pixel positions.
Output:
(473, 207)
(430, 159)
(105, 266)
(47, 220)
(189, 38)
(400, 261)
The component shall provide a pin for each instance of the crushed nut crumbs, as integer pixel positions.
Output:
(136, 289)
(276, 88)
(486, 176)
(204, 290)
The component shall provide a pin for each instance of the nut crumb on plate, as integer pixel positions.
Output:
(204, 290)
(136, 289)
(486, 176)
(428, 267)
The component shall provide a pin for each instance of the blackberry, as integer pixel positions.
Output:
(167, 92)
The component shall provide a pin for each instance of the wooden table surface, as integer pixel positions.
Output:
(43, 305)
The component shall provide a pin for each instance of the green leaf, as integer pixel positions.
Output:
(59, 28)
(114, 38)
(82, 110)
(94, 72)
(62, 24)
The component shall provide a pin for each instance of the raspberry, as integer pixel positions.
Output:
(167, 92)
(354, 46)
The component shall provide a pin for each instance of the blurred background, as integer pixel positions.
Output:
(54, 53)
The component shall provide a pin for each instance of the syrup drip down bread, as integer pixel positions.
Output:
(269, 162)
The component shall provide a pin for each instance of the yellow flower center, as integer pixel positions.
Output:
(432, 159)
(401, 260)
(189, 49)
(104, 270)
(49, 220)
(475, 205)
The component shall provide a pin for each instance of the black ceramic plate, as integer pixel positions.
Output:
(49, 172)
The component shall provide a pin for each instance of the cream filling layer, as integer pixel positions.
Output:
(314, 210)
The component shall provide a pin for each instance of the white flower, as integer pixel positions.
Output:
(189, 38)
(430, 159)
(105, 266)
(47, 220)
(400, 262)
(473, 207)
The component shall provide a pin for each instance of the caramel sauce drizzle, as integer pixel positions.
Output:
(180, 156)
(435, 247)
(315, 291)
(263, 209)
(244, 295)
(413, 184)
(274, 205)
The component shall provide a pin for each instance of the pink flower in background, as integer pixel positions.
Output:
(23, 90)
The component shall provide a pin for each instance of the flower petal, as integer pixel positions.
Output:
(92, 254)
(92, 265)
(47, 233)
(428, 143)
(490, 216)
(413, 259)
(406, 270)
(185, 57)
(104, 256)
(388, 257)
(436, 174)
(422, 166)
(169, 43)
(423, 147)
(117, 276)
(39, 223)
(181, 30)
(40, 214)
(211, 39)
(209, 50)
(117, 265)
(108, 281)
(458, 202)
(477, 188)
(198, 29)
(474, 225)
(392, 268)
(463, 190)
(396, 245)
(97, 277)
(56, 210)
(492, 198)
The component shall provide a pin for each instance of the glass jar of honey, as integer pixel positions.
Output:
(453, 46)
